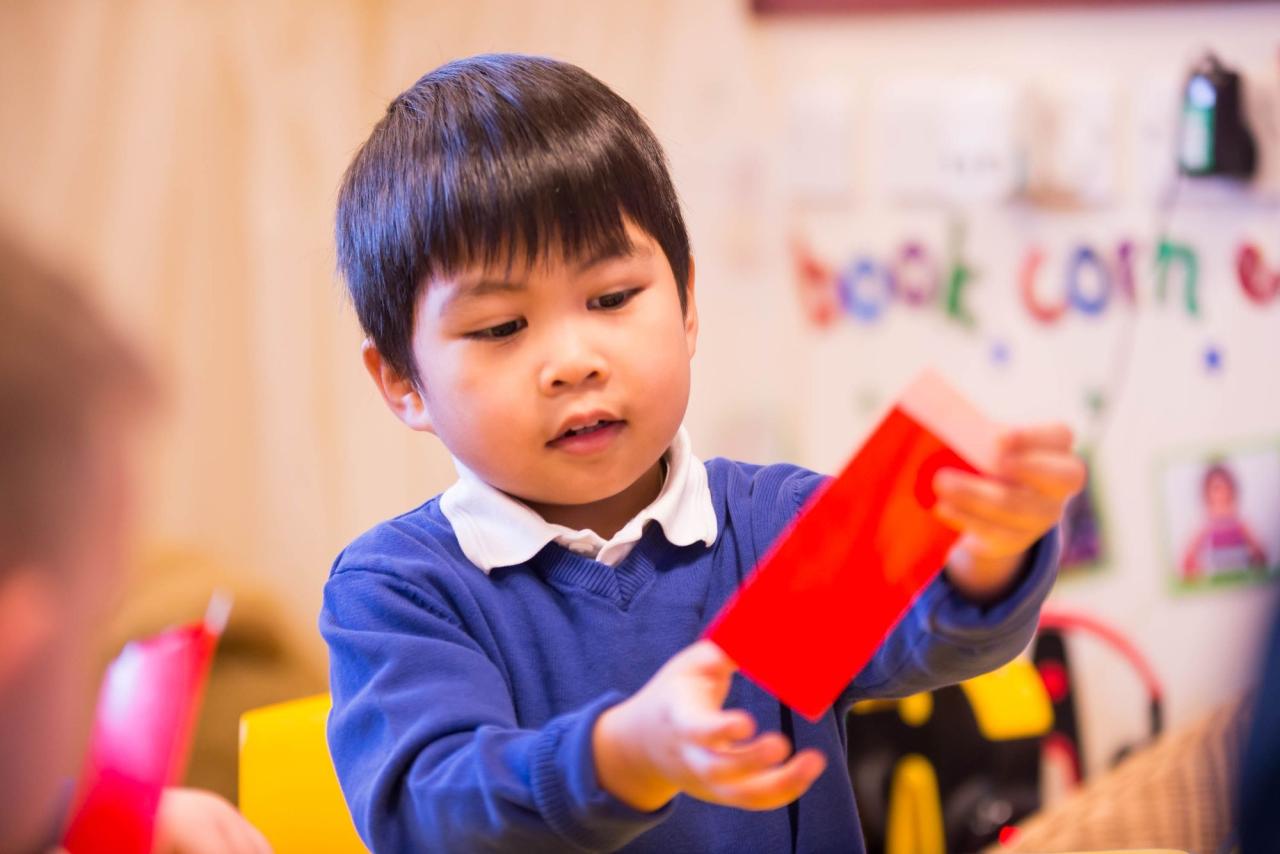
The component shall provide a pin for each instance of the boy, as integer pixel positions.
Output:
(515, 663)
(70, 395)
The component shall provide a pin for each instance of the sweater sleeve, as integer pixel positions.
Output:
(424, 738)
(944, 637)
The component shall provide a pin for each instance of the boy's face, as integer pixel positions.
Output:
(511, 361)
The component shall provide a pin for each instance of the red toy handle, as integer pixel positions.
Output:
(1067, 621)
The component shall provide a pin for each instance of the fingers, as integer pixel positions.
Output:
(190, 821)
(700, 676)
(1009, 505)
(716, 755)
(1046, 437)
(983, 538)
(706, 658)
(249, 839)
(239, 835)
(774, 787)
(735, 762)
(1051, 473)
(713, 727)
(202, 832)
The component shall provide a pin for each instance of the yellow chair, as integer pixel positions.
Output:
(288, 788)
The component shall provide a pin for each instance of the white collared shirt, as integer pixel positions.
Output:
(495, 529)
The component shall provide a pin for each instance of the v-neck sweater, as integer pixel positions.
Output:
(464, 703)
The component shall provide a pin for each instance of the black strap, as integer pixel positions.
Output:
(793, 808)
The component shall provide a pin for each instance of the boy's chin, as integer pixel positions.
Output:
(575, 497)
(578, 493)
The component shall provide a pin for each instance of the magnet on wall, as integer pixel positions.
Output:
(1000, 353)
(1213, 361)
(1095, 400)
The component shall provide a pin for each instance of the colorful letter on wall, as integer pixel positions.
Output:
(1085, 258)
(1169, 253)
(865, 289)
(961, 276)
(816, 284)
(914, 274)
(1046, 313)
(1259, 283)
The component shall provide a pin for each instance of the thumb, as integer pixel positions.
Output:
(706, 658)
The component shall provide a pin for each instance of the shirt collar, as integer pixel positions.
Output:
(494, 529)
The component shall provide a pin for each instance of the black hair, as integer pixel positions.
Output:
(490, 160)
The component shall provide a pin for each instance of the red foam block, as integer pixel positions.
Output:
(827, 593)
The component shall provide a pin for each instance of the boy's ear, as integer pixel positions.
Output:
(28, 619)
(691, 314)
(397, 390)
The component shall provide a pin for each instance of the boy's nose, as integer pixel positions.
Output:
(572, 364)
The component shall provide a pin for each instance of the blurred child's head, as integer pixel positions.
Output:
(69, 392)
(516, 254)
(1220, 491)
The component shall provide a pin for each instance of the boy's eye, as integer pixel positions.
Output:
(613, 300)
(502, 330)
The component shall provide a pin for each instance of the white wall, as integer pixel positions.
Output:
(1150, 362)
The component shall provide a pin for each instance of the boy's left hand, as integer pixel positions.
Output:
(1002, 514)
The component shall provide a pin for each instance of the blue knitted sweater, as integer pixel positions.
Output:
(463, 703)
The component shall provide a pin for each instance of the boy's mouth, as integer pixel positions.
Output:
(577, 430)
(590, 428)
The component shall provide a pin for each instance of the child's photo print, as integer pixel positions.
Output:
(1222, 516)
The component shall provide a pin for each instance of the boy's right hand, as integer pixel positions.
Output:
(674, 736)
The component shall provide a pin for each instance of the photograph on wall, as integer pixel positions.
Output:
(1221, 513)
(1084, 546)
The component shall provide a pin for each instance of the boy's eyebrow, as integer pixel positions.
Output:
(484, 287)
(630, 251)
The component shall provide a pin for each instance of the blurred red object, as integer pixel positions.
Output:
(141, 736)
